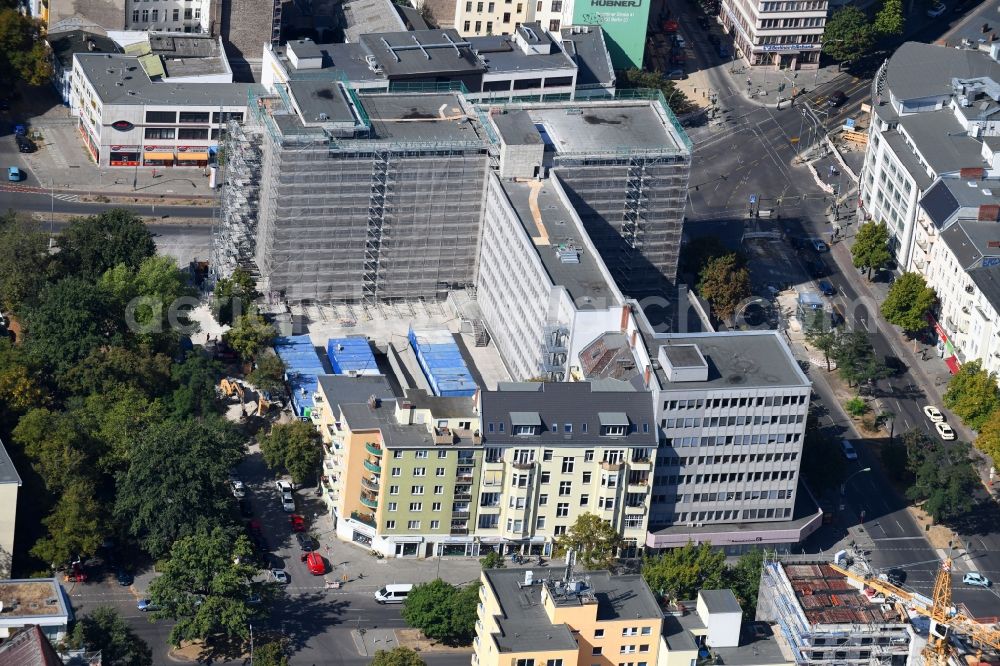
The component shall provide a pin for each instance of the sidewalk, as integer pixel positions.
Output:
(766, 85)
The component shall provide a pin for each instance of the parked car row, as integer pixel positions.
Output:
(934, 415)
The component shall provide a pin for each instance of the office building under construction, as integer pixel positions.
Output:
(336, 195)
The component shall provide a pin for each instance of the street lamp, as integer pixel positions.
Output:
(843, 486)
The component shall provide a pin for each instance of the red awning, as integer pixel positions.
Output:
(953, 364)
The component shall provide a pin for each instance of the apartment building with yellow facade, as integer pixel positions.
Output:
(548, 617)
(554, 451)
(399, 471)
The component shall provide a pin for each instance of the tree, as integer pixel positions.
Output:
(856, 359)
(944, 480)
(206, 586)
(679, 573)
(889, 21)
(24, 261)
(820, 335)
(856, 406)
(75, 527)
(106, 369)
(493, 560)
(988, 440)
(176, 480)
(23, 54)
(744, 580)
(442, 611)
(19, 388)
(71, 319)
(89, 246)
(700, 250)
(249, 334)
(268, 374)
(871, 247)
(908, 302)
(233, 296)
(973, 394)
(272, 654)
(292, 447)
(150, 294)
(640, 78)
(593, 541)
(848, 35)
(56, 445)
(724, 282)
(196, 378)
(114, 422)
(105, 630)
(401, 656)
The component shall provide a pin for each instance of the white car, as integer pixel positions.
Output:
(976, 579)
(280, 576)
(239, 490)
(933, 413)
(945, 431)
(936, 10)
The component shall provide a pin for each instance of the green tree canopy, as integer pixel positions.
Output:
(206, 586)
(233, 296)
(401, 656)
(908, 302)
(294, 448)
(856, 358)
(23, 53)
(268, 374)
(249, 334)
(107, 369)
(76, 526)
(105, 630)
(699, 251)
(19, 386)
(973, 394)
(89, 246)
(679, 573)
(641, 78)
(149, 295)
(725, 283)
(592, 539)
(56, 444)
(820, 334)
(493, 560)
(890, 21)
(24, 261)
(176, 480)
(944, 480)
(196, 378)
(871, 247)
(988, 440)
(274, 654)
(442, 611)
(743, 578)
(848, 35)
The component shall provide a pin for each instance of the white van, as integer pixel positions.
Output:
(393, 594)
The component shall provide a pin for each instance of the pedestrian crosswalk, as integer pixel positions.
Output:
(67, 197)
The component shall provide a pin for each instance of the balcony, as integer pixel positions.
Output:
(638, 488)
(365, 518)
(370, 483)
(444, 436)
(459, 531)
(463, 497)
(370, 501)
(460, 512)
(611, 466)
(373, 449)
(520, 464)
(372, 467)
(641, 464)
(463, 477)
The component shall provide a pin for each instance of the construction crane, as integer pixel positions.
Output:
(943, 616)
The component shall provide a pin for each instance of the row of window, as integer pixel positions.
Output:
(725, 477)
(567, 428)
(423, 454)
(216, 117)
(417, 507)
(608, 480)
(800, 6)
(749, 495)
(667, 461)
(738, 440)
(422, 471)
(412, 524)
(419, 490)
(180, 133)
(154, 15)
(808, 22)
(726, 421)
(726, 516)
(711, 403)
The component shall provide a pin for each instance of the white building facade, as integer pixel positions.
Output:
(783, 34)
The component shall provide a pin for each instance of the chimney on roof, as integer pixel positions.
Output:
(989, 213)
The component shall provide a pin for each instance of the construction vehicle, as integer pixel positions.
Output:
(230, 387)
(943, 616)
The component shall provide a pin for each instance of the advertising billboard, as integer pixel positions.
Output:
(624, 23)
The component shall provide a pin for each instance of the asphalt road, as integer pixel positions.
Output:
(33, 199)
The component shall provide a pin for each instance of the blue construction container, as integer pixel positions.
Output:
(302, 366)
(351, 356)
(442, 363)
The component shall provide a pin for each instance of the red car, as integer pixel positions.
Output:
(316, 564)
(670, 26)
(298, 523)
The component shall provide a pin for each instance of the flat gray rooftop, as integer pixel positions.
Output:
(587, 48)
(7, 472)
(684, 356)
(925, 70)
(755, 649)
(370, 16)
(105, 71)
(420, 118)
(501, 54)
(720, 601)
(551, 227)
(909, 161)
(743, 359)
(437, 52)
(348, 59)
(586, 127)
(942, 141)
(174, 45)
(65, 44)
(321, 97)
(516, 128)
(950, 195)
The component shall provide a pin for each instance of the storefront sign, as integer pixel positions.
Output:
(122, 125)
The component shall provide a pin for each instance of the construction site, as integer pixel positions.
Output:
(846, 613)
(331, 195)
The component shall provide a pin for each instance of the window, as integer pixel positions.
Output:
(556, 5)
(156, 15)
(439, 490)
(177, 15)
(540, 523)
(545, 476)
(196, 134)
(547, 455)
(559, 530)
(187, 15)
(145, 15)
(646, 631)
(598, 633)
(543, 500)
(416, 506)
(465, 28)
(586, 477)
(609, 430)
(562, 509)
(627, 649)
(515, 502)
(413, 525)
(554, 662)
(436, 506)
(525, 662)
(397, 454)
(135, 16)
(439, 471)
(630, 631)
(568, 428)
(489, 27)
(442, 454)
(416, 490)
(435, 524)
(554, 25)
(567, 465)
(393, 490)
(396, 471)
(197, 12)
(506, 16)
(515, 525)
(644, 648)
(390, 524)
(479, 6)
(468, 6)
(588, 455)
(490, 7)
(420, 453)
(584, 500)
(194, 116)
(159, 132)
(419, 471)
(597, 650)
(565, 488)
(479, 27)
(489, 521)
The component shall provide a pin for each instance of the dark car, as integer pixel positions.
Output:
(816, 268)
(124, 577)
(305, 542)
(837, 97)
(827, 288)
(24, 144)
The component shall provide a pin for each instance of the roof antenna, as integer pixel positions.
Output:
(570, 556)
